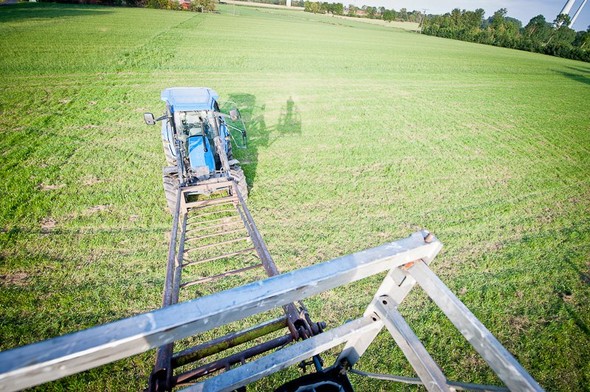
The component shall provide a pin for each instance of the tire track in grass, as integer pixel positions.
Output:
(55, 139)
(51, 121)
(159, 50)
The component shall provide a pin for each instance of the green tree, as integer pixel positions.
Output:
(563, 35)
(204, 5)
(352, 10)
(536, 34)
(562, 20)
(389, 15)
(158, 4)
(310, 6)
(456, 18)
(338, 9)
(538, 29)
(497, 20)
(473, 19)
(403, 14)
(582, 39)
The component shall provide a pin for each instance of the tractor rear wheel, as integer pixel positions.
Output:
(170, 182)
(170, 159)
(238, 175)
(230, 154)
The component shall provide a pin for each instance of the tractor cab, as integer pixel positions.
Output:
(196, 136)
(196, 123)
(197, 142)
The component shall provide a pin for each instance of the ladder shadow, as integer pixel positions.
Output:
(260, 134)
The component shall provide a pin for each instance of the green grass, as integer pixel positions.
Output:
(359, 135)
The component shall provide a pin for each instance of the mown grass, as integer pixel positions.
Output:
(359, 135)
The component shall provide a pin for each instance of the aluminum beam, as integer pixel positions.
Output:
(578, 13)
(567, 7)
(433, 378)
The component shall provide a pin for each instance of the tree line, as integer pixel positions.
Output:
(194, 5)
(294, 3)
(403, 15)
(540, 36)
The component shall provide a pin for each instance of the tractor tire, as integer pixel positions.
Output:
(238, 175)
(230, 154)
(170, 159)
(170, 182)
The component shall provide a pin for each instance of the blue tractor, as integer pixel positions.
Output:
(196, 137)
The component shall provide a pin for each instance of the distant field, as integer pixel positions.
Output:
(411, 26)
(388, 132)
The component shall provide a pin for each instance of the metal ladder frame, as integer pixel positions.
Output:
(407, 262)
(295, 320)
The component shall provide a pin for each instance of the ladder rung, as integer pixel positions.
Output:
(193, 217)
(202, 204)
(229, 273)
(213, 235)
(225, 342)
(215, 202)
(228, 223)
(217, 243)
(219, 257)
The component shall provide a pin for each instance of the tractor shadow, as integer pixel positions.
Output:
(261, 135)
(577, 74)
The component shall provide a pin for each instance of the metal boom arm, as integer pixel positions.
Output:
(406, 260)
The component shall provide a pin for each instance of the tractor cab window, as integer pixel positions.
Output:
(191, 123)
(195, 123)
(195, 129)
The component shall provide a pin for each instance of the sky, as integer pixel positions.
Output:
(523, 10)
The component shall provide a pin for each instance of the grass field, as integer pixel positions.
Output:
(359, 135)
